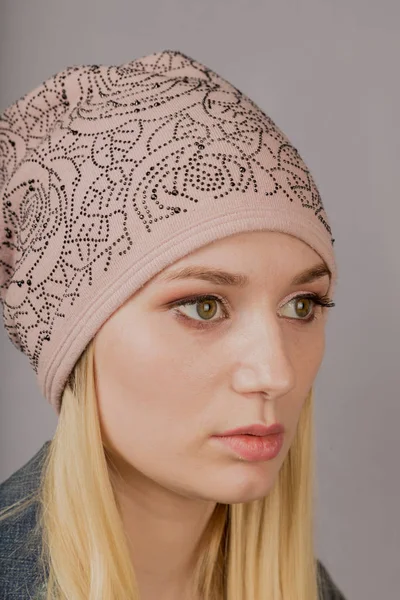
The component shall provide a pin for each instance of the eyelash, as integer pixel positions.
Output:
(318, 299)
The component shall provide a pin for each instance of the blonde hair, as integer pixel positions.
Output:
(252, 551)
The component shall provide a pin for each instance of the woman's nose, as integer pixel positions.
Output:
(263, 363)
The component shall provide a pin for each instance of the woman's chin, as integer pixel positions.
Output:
(243, 489)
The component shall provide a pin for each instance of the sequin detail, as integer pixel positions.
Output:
(97, 152)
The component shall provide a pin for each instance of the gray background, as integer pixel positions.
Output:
(327, 71)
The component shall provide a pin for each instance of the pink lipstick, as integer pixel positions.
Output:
(254, 442)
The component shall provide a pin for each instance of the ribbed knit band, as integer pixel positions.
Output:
(110, 174)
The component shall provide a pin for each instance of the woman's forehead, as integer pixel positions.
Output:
(236, 259)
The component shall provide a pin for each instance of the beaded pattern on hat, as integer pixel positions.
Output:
(70, 152)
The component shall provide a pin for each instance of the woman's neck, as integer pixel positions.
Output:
(164, 530)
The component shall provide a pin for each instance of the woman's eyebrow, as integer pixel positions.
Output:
(312, 274)
(206, 274)
(220, 277)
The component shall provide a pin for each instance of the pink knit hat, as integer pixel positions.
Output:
(110, 174)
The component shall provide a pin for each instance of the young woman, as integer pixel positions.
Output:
(166, 264)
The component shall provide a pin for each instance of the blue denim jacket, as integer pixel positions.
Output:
(20, 577)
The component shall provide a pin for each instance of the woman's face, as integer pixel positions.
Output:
(222, 339)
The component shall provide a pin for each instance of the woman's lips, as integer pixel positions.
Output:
(255, 442)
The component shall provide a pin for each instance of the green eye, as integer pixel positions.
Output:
(303, 307)
(206, 309)
(202, 308)
(300, 308)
